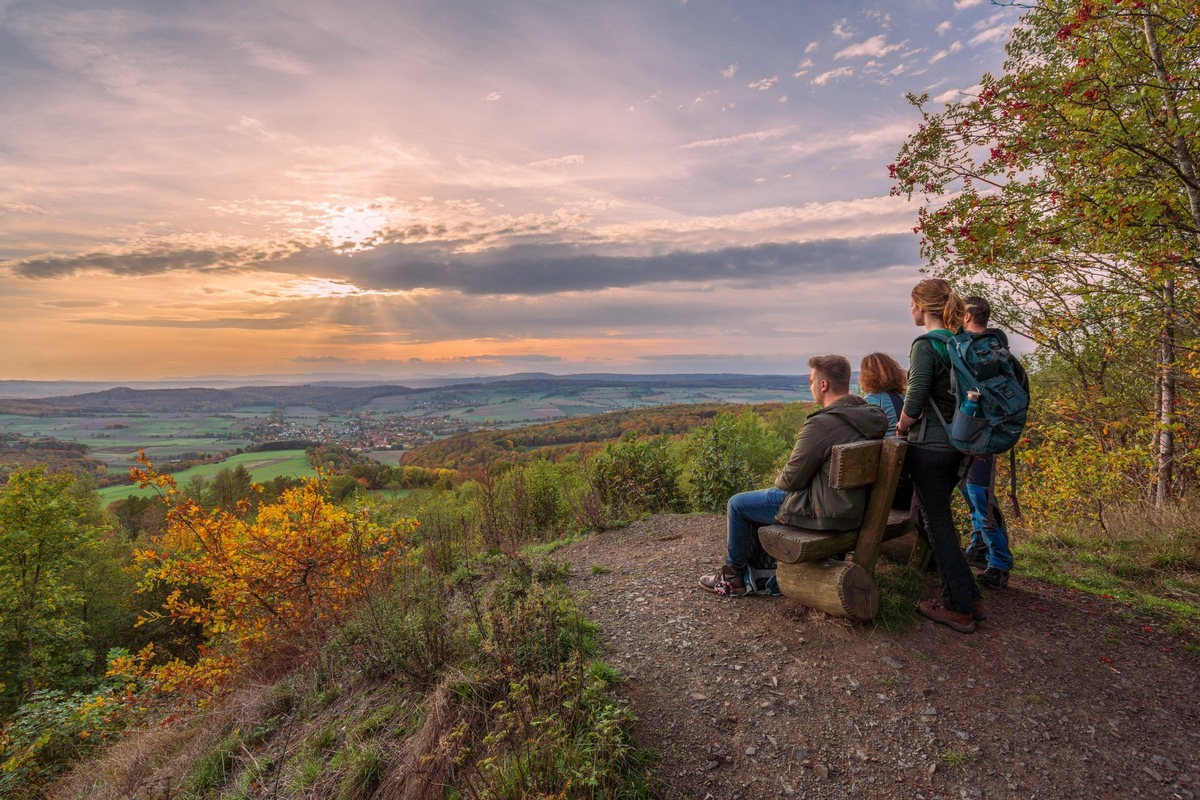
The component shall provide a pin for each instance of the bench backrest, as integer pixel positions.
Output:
(876, 463)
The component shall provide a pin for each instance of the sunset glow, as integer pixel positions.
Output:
(420, 188)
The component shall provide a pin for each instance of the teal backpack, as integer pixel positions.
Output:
(981, 363)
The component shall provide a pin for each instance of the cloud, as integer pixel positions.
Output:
(943, 28)
(841, 29)
(536, 358)
(993, 34)
(562, 161)
(548, 269)
(875, 47)
(764, 84)
(959, 5)
(730, 71)
(272, 58)
(957, 95)
(153, 259)
(10, 207)
(492, 97)
(826, 77)
(755, 136)
(938, 56)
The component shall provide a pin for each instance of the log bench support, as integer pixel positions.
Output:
(807, 573)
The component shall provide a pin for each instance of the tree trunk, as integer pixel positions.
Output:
(1165, 454)
(839, 588)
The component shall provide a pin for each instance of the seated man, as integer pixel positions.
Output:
(802, 496)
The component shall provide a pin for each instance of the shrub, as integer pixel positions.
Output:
(411, 631)
(731, 454)
(638, 475)
(260, 584)
(52, 728)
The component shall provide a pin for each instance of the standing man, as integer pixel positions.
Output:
(988, 548)
(802, 495)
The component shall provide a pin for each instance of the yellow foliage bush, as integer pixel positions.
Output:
(259, 583)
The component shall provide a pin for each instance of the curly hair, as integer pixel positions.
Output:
(879, 372)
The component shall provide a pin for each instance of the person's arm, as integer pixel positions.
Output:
(807, 456)
(920, 379)
(905, 423)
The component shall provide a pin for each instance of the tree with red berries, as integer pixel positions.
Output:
(1067, 190)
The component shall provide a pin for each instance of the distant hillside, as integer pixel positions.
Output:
(334, 398)
(574, 435)
(203, 401)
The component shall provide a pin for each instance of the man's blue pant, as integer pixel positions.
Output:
(989, 533)
(747, 511)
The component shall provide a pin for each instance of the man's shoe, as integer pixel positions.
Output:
(934, 610)
(993, 578)
(977, 612)
(725, 581)
(977, 557)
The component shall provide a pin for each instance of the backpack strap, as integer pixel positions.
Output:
(1012, 482)
(897, 402)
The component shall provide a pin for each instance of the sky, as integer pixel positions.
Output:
(391, 188)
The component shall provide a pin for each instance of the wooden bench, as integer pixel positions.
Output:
(807, 573)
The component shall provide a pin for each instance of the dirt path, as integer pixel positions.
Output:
(1059, 695)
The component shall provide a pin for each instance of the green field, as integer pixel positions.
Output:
(116, 439)
(262, 467)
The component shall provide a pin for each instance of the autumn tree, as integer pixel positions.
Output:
(258, 583)
(1066, 189)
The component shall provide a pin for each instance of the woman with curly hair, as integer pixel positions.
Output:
(933, 463)
(884, 383)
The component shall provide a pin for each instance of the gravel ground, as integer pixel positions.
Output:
(1059, 694)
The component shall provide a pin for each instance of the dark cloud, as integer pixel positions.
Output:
(546, 269)
(526, 269)
(152, 261)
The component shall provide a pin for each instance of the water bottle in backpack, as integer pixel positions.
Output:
(966, 423)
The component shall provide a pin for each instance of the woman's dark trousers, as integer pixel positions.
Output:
(935, 475)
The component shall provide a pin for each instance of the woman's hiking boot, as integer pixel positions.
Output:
(978, 613)
(955, 620)
(725, 581)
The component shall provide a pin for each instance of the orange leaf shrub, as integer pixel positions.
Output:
(258, 584)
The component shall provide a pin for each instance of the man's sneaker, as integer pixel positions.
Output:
(977, 557)
(993, 578)
(934, 610)
(726, 581)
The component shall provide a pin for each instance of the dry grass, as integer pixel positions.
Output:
(1147, 557)
(155, 760)
(426, 761)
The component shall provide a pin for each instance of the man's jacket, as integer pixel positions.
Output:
(811, 503)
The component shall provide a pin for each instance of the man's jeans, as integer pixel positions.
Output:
(989, 533)
(747, 512)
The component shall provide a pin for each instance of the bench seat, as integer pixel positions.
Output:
(792, 545)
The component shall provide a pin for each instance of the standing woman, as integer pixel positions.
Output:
(933, 463)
